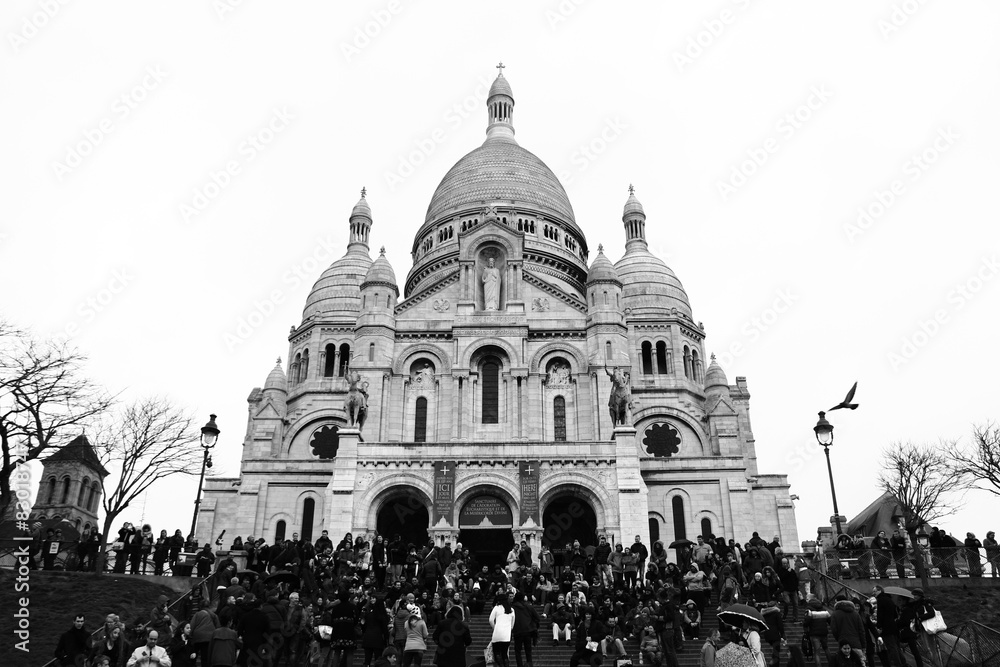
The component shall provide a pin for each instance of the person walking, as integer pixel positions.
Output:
(204, 623)
(453, 638)
(502, 622)
(224, 646)
(846, 626)
(182, 650)
(525, 629)
(709, 648)
(816, 627)
(149, 654)
(416, 639)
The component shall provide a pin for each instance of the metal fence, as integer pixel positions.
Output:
(968, 643)
(882, 564)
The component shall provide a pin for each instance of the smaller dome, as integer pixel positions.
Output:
(632, 205)
(500, 87)
(276, 378)
(715, 376)
(380, 273)
(602, 270)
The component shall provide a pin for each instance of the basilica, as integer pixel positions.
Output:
(518, 385)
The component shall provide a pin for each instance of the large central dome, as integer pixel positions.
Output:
(500, 171)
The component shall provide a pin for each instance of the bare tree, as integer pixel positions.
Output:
(149, 440)
(926, 488)
(979, 463)
(43, 396)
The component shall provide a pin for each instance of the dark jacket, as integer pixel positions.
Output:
(376, 634)
(73, 643)
(846, 625)
(602, 552)
(886, 614)
(838, 659)
(526, 620)
(775, 625)
(222, 649)
(597, 631)
(180, 651)
(452, 637)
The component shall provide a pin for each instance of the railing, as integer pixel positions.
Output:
(968, 643)
(879, 564)
(67, 558)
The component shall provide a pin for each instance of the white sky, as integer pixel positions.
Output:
(198, 79)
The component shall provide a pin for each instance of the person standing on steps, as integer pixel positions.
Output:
(525, 630)
(502, 622)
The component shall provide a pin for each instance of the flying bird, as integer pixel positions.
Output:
(846, 403)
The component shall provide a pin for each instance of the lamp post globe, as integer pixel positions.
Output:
(824, 436)
(209, 436)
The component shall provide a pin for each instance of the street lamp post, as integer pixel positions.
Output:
(209, 436)
(824, 436)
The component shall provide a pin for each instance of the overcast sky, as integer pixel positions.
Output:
(821, 177)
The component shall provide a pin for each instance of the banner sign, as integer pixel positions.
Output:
(528, 474)
(444, 491)
(486, 512)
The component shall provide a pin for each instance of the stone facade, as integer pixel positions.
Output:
(500, 351)
(70, 489)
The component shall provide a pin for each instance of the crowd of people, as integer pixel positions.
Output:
(302, 603)
(876, 556)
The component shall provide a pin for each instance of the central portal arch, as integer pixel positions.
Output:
(403, 512)
(486, 528)
(568, 517)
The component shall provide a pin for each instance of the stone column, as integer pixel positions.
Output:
(339, 498)
(633, 497)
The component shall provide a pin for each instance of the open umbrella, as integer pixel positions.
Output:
(734, 655)
(680, 544)
(282, 577)
(896, 590)
(735, 615)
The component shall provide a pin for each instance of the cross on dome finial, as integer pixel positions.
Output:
(364, 191)
(381, 250)
(279, 361)
(600, 248)
(501, 68)
(713, 356)
(631, 189)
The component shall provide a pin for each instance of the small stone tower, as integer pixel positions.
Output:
(70, 487)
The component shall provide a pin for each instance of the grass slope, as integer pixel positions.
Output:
(55, 597)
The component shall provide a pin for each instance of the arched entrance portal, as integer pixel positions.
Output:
(566, 518)
(486, 526)
(405, 516)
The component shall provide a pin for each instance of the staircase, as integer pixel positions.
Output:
(546, 655)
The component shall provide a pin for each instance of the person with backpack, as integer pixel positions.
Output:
(816, 627)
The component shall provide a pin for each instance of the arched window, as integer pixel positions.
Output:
(95, 491)
(706, 528)
(607, 351)
(279, 532)
(605, 297)
(308, 510)
(680, 531)
(52, 490)
(388, 300)
(559, 418)
(647, 358)
(295, 368)
(654, 529)
(695, 366)
(330, 361)
(345, 360)
(371, 351)
(491, 391)
(364, 301)
(687, 362)
(65, 490)
(661, 358)
(83, 492)
(420, 421)
(304, 368)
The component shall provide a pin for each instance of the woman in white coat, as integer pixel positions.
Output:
(502, 622)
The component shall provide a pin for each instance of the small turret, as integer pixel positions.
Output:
(715, 380)
(634, 218)
(500, 106)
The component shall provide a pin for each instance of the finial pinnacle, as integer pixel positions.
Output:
(600, 248)
(501, 68)
(631, 189)
(381, 250)
(279, 361)
(713, 356)
(364, 192)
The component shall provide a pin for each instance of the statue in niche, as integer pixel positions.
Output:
(424, 375)
(558, 375)
(491, 286)
(356, 404)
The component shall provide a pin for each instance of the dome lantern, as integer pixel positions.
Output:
(500, 107)
(634, 218)
(361, 220)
